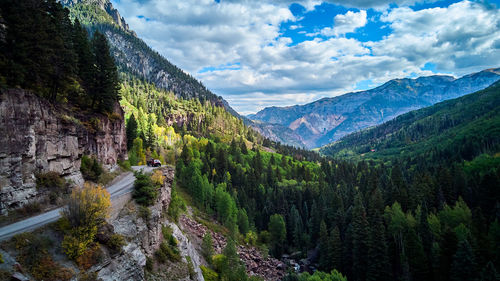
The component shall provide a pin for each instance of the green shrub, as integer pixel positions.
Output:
(218, 262)
(114, 116)
(145, 192)
(177, 205)
(208, 274)
(91, 168)
(125, 165)
(207, 249)
(161, 256)
(167, 252)
(106, 177)
(144, 213)
(74, 247)
(167, 231)
(1, 258)
(63, 225)
(116, 242)
(192, 273)
(149, 264)
(30, 209)
(50, 180)
(95, 124)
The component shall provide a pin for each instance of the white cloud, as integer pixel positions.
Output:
(198, 34)
(346, 23)
(459, 38)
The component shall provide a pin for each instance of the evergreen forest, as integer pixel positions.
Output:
(416, 198)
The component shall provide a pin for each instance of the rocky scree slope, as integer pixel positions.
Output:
(326, 120)
(38, 138)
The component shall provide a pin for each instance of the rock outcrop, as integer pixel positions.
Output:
(106, 6)
(38, 138)
(144, 235)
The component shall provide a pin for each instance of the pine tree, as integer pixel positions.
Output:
(243, 221)
(489, 273)
(464, 265)
(296, 227)
(277, 231)
(378, 267)
(360, 242)
(243, 146)
(85, 61)
(105, 76)
(415, 254)
(207, 249)
(324, 262)
(448, 250)
(63, 58)
(335, 249)
(131, 131)
(150, 136)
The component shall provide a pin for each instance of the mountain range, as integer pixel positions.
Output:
(458, 128)
(311, 125)
(329, 119)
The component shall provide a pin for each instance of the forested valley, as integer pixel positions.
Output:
(413, 210)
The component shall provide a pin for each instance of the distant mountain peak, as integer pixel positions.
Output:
(338, 116)
(106, 6)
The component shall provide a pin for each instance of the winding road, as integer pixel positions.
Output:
(123, 185)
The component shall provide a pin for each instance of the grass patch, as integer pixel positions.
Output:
(106, 177)
(167, 253)
(192, 273)
(125, 165)
(168, 250)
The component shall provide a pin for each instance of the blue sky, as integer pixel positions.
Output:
(281, 52)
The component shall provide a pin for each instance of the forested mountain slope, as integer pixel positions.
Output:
(134, 57)
(326, 120)
(426, 216)
(455, 129)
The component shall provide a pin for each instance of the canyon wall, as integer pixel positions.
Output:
(36, 137)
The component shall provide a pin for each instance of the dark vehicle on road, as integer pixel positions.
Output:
(154, 163)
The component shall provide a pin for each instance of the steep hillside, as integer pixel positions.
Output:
(276, 132)
(329, 119)
(39, 139)
(461, 128)
(58, 102)
(134, 56)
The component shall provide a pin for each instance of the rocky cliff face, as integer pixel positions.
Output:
(329, 119)
(144, 236)
(37, 138)
(106, 6)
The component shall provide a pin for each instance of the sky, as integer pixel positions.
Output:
(261, 53)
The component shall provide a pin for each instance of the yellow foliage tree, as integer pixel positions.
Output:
(87, 209)
(157, 177)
